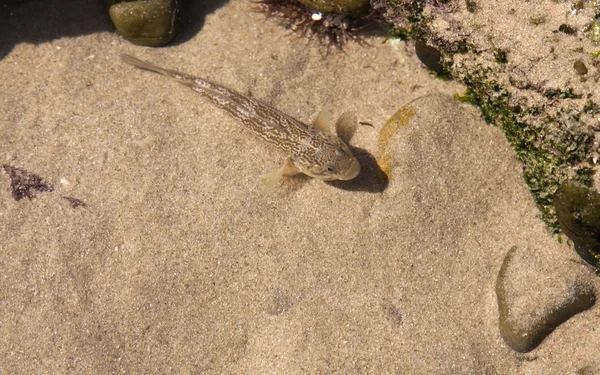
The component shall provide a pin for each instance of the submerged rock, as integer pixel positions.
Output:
(147, 23)
(578, 213)
(531, 307)
(431, 57)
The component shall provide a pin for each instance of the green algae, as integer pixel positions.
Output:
(500, 56)
(549, 158)
(471, 6)
(537, 20)
(593, 33)
(566, 93)
(591, 107)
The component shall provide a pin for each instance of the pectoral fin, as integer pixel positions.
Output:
(346, 126)
(287, 169)
(323, 118)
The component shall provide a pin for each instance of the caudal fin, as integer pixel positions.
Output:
(131, 60)
(196, 83)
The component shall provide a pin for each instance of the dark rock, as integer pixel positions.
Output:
(578, 213)
(430, 56)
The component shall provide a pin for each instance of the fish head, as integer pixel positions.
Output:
(333, 160)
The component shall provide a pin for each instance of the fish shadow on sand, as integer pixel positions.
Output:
(371, 178)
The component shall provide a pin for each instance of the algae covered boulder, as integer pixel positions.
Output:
(578, 213)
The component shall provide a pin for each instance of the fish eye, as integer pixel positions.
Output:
(330, 170)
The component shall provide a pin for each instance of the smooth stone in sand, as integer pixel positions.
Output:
(145, 23)
(536, 293)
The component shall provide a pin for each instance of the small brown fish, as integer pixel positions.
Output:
(313, 151)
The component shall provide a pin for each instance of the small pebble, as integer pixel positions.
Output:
(580, 67)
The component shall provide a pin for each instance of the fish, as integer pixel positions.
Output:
(313, 150)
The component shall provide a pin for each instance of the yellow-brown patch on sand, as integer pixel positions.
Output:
(399, 119)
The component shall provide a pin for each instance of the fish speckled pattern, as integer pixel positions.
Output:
(314, 152)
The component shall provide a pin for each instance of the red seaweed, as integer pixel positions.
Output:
(24, 183)
(74, 202)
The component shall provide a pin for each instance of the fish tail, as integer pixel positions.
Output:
(181, 77)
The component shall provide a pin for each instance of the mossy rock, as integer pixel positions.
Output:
(578, 213)
(354, 8)
(150, 23)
